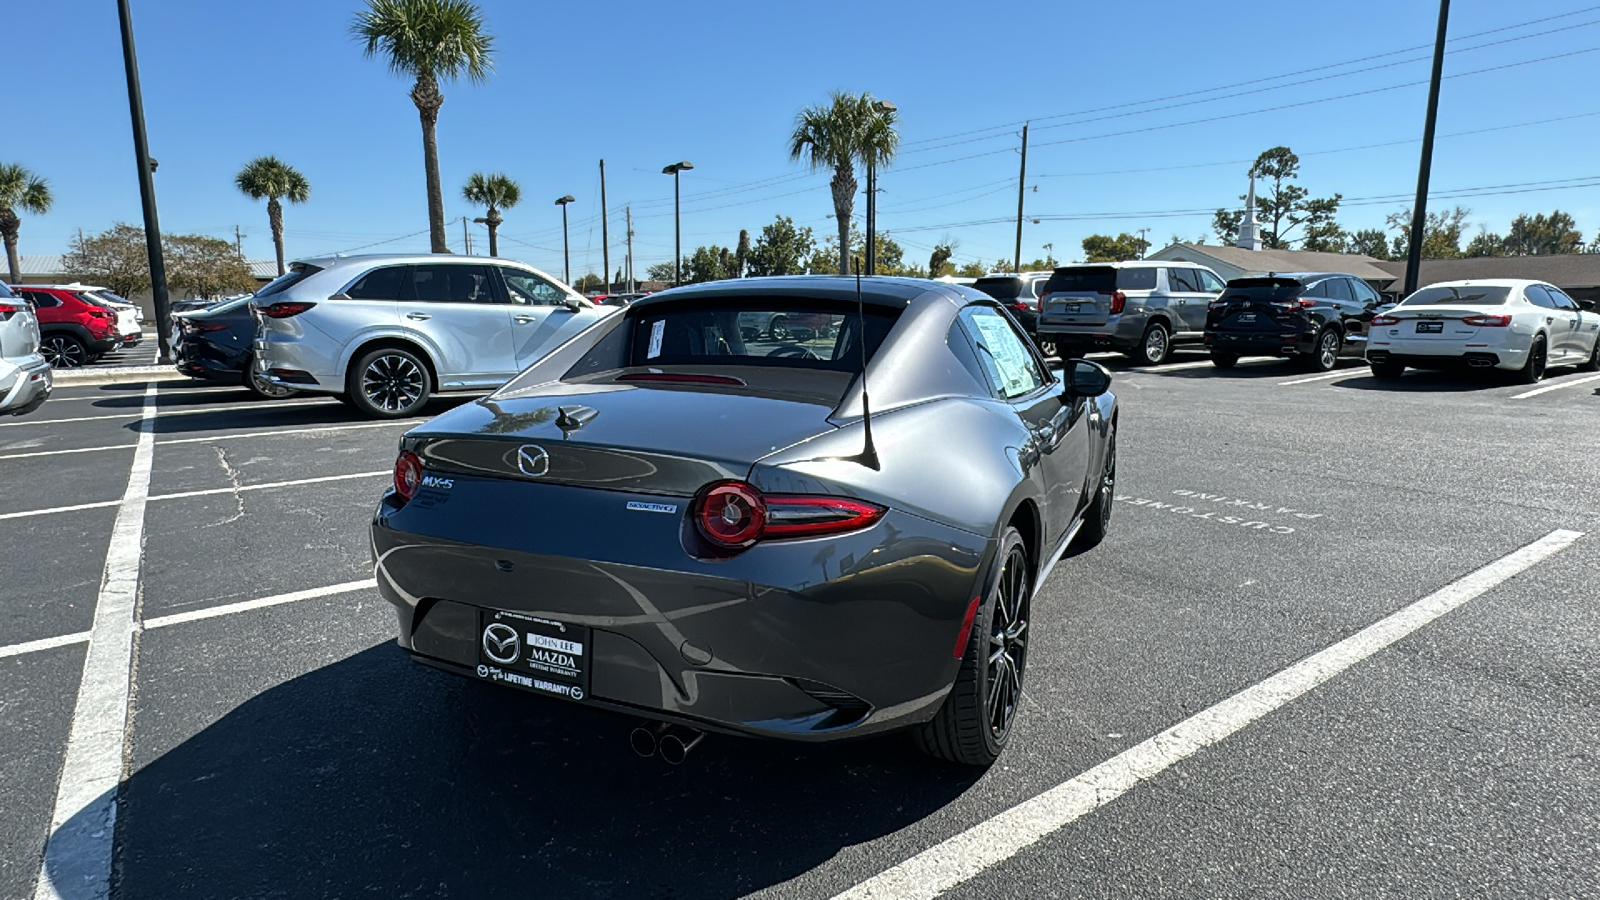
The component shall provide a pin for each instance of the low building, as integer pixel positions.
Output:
(1576, 273)
(1239, 262)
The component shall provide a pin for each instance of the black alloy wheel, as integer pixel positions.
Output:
(975, 722)
(1593, 363)
(1154, 347)
(1049, 350)
(1325, 354)
(1387, 371)
(388, 383)
(1532, 371)
(63, 351)
(259, 385)
(778, 328)
(1097, 518)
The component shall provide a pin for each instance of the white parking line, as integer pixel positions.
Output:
(1555, 387)
(229, 609)
(77, 854)
(1325, 377)
(960, 858)
(49, 643)
(233, 407)
(28, 514)
(1175, 367)
(220, 437)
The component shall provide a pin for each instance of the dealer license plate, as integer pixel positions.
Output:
(1430, 327)
(1247, 317)
(534, 654)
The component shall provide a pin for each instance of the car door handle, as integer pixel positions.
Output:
(523, 320)
(418, 317)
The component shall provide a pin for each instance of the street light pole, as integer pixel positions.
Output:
(886, 109)
(1419, 211)
(677, 223)
(147, 187)
(566, 252)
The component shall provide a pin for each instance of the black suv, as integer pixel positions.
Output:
(1019, 294)
(1312, 317)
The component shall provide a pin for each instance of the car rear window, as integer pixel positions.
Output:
(5, 293)
(297, 273)
(1008, 288)
(1270, 290)
(1458, 296)
(1100, 280)
(815, 335)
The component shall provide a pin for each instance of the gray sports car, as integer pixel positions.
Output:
(830, 529)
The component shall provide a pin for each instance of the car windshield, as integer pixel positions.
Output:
(817, 335)
(1007, 288)
(296, 274)
(112, 298)
(1478, 295)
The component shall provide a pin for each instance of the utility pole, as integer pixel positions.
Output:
(1144, 244)
(1419, 212)
(238, 241)
(147, 188)
(1022, 179)
(605, 241)
(629, 212)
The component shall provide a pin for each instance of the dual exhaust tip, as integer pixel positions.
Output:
(672, 742)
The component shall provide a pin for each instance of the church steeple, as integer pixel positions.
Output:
(1249, 231)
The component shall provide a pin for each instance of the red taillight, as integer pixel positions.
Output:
(407, 474)
(285, 309)
(734, 515)
(190, 326)
(102, 313)
(1020, 306)
(1118, 301)
(1384, 320)
(1306, 303)
(8, 309)
(1488, 321)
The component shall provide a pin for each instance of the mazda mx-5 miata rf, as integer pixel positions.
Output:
(823, 531)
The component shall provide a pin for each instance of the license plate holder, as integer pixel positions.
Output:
(1430, 328)
(535, 654)
(1247, 317)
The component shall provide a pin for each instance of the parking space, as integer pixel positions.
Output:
(278, 743)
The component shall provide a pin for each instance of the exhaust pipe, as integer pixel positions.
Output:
(675, 745)
(1478, 363)
(646, 739)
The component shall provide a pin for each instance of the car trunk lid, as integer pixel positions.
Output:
(1258, 306)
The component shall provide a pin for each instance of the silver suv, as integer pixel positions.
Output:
(1140, 308)
(387, 332)
(25, 377)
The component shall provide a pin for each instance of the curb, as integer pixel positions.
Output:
(91, 378)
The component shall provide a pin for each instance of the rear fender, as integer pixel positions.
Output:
(372, 335)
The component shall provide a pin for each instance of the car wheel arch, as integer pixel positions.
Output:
(1025, 517)
(395, 343)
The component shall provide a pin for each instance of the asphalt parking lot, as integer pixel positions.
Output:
(264, 738)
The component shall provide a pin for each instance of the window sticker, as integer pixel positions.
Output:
(1009, 355)
(657, 329)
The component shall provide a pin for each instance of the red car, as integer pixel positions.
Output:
(73, 330)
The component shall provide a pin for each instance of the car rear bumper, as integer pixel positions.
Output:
(1444, 354)
(288, 361)
(1120, 335)
(24, 387)
(1251, 344)
(838, 637)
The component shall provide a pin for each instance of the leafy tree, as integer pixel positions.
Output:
(741, 253)
(496, 192)
(1326, 236)
(939, 260)
(116, 258)
(1441, 234)
(20, 191)
(1541, 235)
(204, 267)
(1104, 248)
(269, 178)
(837, 135)
(662, 271)
(889, 260)
(1281, 207)
(1003, 265)
(1370, 242)
(428, 41)
(974, 269)
(710, 264)
(1487, 243)
(782, 249)
(593, 282)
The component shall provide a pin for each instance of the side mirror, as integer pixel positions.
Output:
(1586, 305)
(572, 305)
(1086, 379)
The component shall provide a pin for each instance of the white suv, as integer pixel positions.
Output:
(25, 378)
(386, 332)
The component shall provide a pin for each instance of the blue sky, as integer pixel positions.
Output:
(719, 83)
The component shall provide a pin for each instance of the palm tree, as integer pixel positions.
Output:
(497, 192)
(270, 178)
(849, 129)
(20, 190)
(428, 40)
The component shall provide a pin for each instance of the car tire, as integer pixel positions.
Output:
(388, 383)
(1387, 371)
(1324, 355)
(1593, 363)
(1154, 347)
(261, 387)
(63, 351)
(1532, 371)
(1224, 360)
(977, 718)
(1048, 349)
(1097, 518)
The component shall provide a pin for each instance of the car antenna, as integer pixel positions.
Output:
(869, 454)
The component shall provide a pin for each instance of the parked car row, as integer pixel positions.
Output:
(79, 324)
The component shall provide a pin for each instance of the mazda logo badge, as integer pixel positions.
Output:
(533, 460)
(501, 644)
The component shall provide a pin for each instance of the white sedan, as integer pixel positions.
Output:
(1503, 323)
